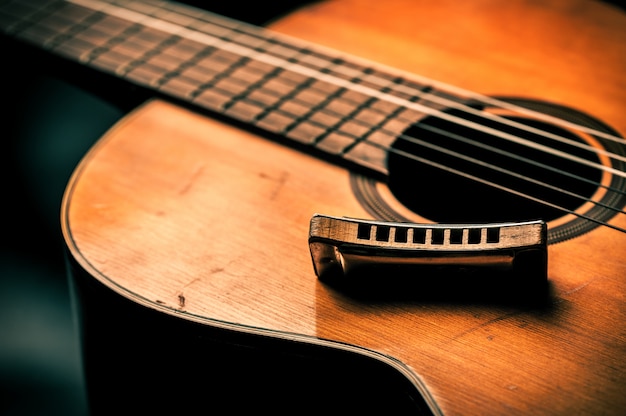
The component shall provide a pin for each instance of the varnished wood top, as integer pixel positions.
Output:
(201, 220)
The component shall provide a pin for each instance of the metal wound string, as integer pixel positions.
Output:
(293, 65)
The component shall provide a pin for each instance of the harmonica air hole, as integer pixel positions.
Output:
(493, 235)
(382, 233)
(402, 235)
(364, 231)
(437, 236)
(474, 236)
(456, 236)
(419, 236)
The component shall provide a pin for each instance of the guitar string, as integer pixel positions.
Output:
(461, 156)
(262, 33)
(476, 178)
(467, 140)
(466, 158)
(503, 188)
(440, 149)
(520, 125)
(212, 40)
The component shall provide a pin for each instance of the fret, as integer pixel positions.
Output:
(326, 118)
(369, 116)
(212, 99)
(275, 121)
(184, 49)
(335, 143)
(143, 74)
(142, 7)
(177, 86)
(173, 17)
(242, 78)
(94, 37)
(244, 111)
(72, 48)
(165, 61)
(197, 73)
(339, 106)
(57, 23)
(264, 97)
(211, 64)
(306, 132)
(146, 66)
(371, 153)
(110, 25)
(38, 35)
(372, 150)
(145, 39)
(279, 50)
(213, 30)
(377, 79)
(232, 86)
(355, 128)
(107, 61)
(296, 108)
(245, 39)
(346, 71)
(325, 87)
(314, 61)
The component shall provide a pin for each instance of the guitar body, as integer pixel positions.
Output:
(187, 242)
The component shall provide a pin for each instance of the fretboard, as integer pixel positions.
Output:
(340, 105)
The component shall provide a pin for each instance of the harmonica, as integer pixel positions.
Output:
(377, 252)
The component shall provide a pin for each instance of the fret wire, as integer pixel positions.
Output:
(312, 57)
(544, 201)
(56, 22)
(303, 120)
(358, 138)
(469, 95)
(217, 41)
(448, 103)
(502, 170)
(249, 87)
(502, 187)
(124, 66)
(416, 106)
(247, 28)
(53, 42)
(454, 103)
(22, 16)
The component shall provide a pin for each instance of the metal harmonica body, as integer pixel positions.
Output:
(378, 252)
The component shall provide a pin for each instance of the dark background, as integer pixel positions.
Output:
(48, 124)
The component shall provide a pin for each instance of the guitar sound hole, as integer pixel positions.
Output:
(439, 195)
(444, 196)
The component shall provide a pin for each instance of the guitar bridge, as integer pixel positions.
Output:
(361, 251)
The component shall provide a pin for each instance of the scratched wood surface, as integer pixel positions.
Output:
(190, 216)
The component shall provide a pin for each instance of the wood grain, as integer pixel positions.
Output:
(204, 221)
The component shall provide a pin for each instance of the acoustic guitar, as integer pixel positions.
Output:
(187, 225)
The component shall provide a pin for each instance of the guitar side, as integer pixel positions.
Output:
(188, 237)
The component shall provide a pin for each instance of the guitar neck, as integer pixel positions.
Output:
(341, 106)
